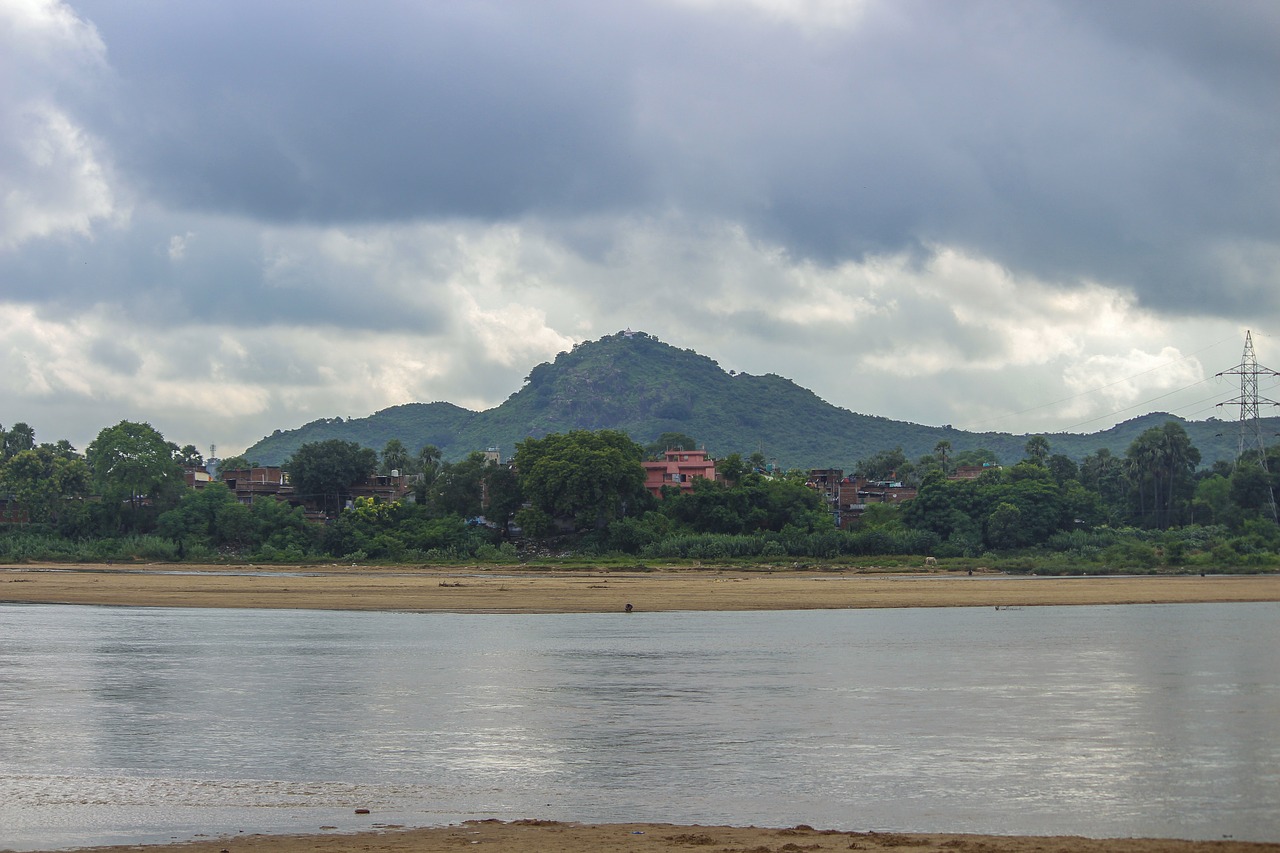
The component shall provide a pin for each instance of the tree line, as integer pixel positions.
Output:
(584, 492)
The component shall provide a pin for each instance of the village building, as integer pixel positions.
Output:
(383, 487)
(249, 484)
(195, 476)
(678, 468)
(847, 497)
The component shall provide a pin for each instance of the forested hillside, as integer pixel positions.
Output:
(644, 387)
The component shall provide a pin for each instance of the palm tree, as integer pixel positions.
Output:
(429, 461)
(1161, 461)
(943, 451)
(395, 456)
(1037, 449)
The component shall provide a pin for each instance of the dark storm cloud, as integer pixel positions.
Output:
(1132, 143)
(329, 111)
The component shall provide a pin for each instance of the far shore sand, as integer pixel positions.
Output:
(500, 589)
(538, 836)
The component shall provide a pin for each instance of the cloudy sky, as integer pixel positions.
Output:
(231, 217)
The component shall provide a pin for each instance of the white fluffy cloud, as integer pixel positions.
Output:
(54, 178)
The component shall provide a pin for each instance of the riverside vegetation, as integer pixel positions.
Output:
(579, 496)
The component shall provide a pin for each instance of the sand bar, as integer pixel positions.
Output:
(508, 590)
(534, 836)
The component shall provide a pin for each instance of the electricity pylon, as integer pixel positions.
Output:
(1250, 403)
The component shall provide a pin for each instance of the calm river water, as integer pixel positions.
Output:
(124, 725)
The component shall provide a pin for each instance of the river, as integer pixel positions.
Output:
(127, 725)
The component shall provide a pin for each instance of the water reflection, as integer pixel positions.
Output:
(125, 724)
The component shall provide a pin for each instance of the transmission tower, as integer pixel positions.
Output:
(1250, 403)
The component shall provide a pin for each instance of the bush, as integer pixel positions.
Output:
(503, 553)
(1131, 553)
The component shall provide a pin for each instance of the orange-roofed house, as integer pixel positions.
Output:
(678, 468)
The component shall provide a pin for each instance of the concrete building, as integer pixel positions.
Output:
(847, 497)
(678, 468)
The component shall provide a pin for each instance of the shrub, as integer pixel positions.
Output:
(504, 553)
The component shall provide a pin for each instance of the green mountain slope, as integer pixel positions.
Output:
(645, 387)
(415, 424)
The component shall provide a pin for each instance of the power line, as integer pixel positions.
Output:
(1141, 404)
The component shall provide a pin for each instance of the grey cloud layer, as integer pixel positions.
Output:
(303, 209)
(1131, 143)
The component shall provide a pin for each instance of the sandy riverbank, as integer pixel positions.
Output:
(551, 837)
(506, 590)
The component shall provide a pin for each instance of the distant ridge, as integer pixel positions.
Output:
(633, 382)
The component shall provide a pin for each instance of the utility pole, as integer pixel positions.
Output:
(1250, 403)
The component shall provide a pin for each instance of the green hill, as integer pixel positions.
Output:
(644, 387)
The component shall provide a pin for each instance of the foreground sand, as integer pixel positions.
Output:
(508, 590)
(533, 836)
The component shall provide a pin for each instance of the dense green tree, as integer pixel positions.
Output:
(1081, 508)
(187, 456)
(1063, 468)
(1212, 502)
(753, 505)
(1004, 527)
(398, 531)
(195, 517)
(1221, 467)
(1040, 503)
(235, 526)
(1026, 470)
(62, 449)
(589, 478)
(925, 466)
(323, 472)
(458, 488)
(732, 468)
(21, 437)
(976, 456)
(885, 465)
(42, 481)
(1010, 508)
(1104, 474)
(131, 462)
(669, 441)
(535, 523)
(1251, 490)
(503, 498)
(211, 516)
(282, 530)
(633, 533)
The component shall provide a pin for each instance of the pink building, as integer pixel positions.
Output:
(679, 468)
